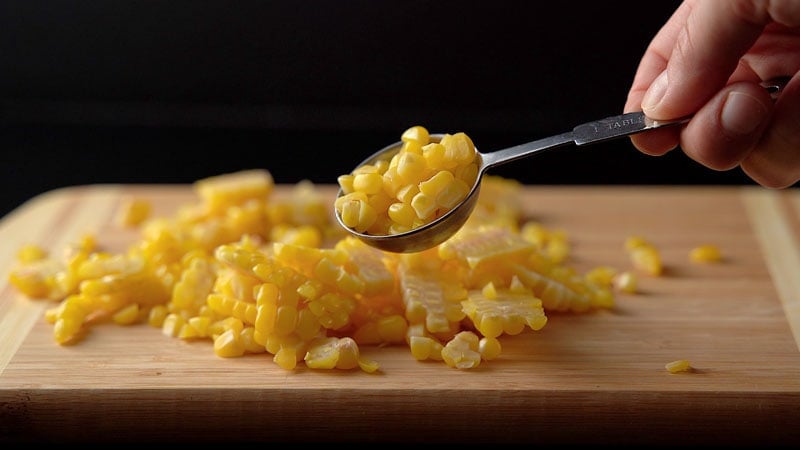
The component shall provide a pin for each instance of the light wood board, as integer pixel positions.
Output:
(584, 378)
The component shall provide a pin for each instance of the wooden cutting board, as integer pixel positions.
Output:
(596, 377)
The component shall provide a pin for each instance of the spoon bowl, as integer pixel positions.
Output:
(431, 234)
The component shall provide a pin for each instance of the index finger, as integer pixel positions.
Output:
(703, 43)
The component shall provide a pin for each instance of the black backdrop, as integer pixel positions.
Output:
(169, 92)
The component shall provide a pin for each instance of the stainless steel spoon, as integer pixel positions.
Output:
(441, 229)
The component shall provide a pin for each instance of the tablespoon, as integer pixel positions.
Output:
(439, 230)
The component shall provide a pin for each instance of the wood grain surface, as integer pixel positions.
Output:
(584, 378)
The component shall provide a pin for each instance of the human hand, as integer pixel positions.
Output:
(707, 62)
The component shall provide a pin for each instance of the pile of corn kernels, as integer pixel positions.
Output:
(253, 273)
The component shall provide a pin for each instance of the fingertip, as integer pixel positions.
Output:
(727, 128)
(742, 113)
(656, 142)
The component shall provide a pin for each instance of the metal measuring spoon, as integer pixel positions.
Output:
(439, 230)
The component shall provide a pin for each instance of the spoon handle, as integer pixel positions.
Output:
(618, 126)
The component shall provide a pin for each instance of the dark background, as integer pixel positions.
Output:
(173, 91)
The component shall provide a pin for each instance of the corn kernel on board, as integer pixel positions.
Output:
(594, 377)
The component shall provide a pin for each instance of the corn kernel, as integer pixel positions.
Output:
(417, 134)
(461, 352)
(423, 348)
(678, 366)
(434, 155)
(411, 167)
(368, 183)
(126, 315)
(424, 205)
(435, 184)
(626, 282)
(229, 344)
(346, 183)
(402, 214)
(707, 253)
(489, 348)
(133, 212)
(30, 253)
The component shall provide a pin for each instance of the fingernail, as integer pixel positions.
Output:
(742, 113)
(655, 93)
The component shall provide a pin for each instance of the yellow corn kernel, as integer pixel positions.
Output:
(380, 202)
(402, 214)
(452, 194)
(467, 173)
(34, 279)
(411, 167)
(707, 253)
(227, 324)
(633, 242)
(338, 204)
(29, 253)
(332, 352)
(305, 235)
(126, 315)
(172, 325)
(286, 358)
(247, 337)
(418, 134)
(462, 352)
(601, 275)
(458, 148)
(285, 320)
(358, 215)
(434, 155)
(157, 315)
(489, 291)
(392, 329)
(187, 331)
(406, 193)
(424, 205)
(200, 324)
(346, 183)
(229, 344)
(626, 282)
(348, 354)
(332, 310)
(434, 185)
(66, 329)
(368, 183)
(227, 306)
(678, 366)
(423, 348)
(647, 259)
(133, 212)
(392, 181)
(411, 147)
(489, 348)
(557, 248)
(221, 191)
(381, 166)
(308, 325)
(368, 366)
(267, 293)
